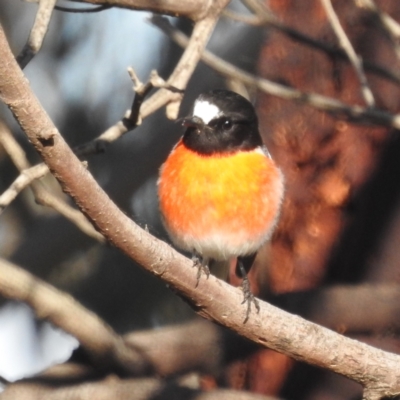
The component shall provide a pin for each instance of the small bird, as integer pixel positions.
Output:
(219, 190)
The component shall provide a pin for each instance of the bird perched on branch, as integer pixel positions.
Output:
(219, 189)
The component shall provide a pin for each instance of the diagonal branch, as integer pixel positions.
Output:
(375, 369)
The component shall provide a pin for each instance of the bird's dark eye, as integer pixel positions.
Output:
(226, 124)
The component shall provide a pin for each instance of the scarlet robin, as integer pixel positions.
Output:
(219, 189)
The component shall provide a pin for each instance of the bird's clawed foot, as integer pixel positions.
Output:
(202, 265)
(248, 296)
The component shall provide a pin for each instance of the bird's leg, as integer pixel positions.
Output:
(248, 295)
(202, 265)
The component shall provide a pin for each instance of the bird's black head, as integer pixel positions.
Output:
(221, 122)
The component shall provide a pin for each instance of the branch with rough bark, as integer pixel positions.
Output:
(213, 299)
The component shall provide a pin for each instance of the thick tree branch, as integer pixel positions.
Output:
(216, 300)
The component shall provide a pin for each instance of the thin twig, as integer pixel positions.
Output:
(141, 91)
(346, 45)
(133, 118)
(323, 103)
(38, 32)
(42, 196)
(26, 177)
(83, 10)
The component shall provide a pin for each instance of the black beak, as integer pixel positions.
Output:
(192, 122)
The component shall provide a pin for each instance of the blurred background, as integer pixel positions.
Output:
(340, 223)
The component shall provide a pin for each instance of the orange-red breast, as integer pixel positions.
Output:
(219, 189)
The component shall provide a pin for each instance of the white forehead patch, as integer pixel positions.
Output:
(205, 110)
